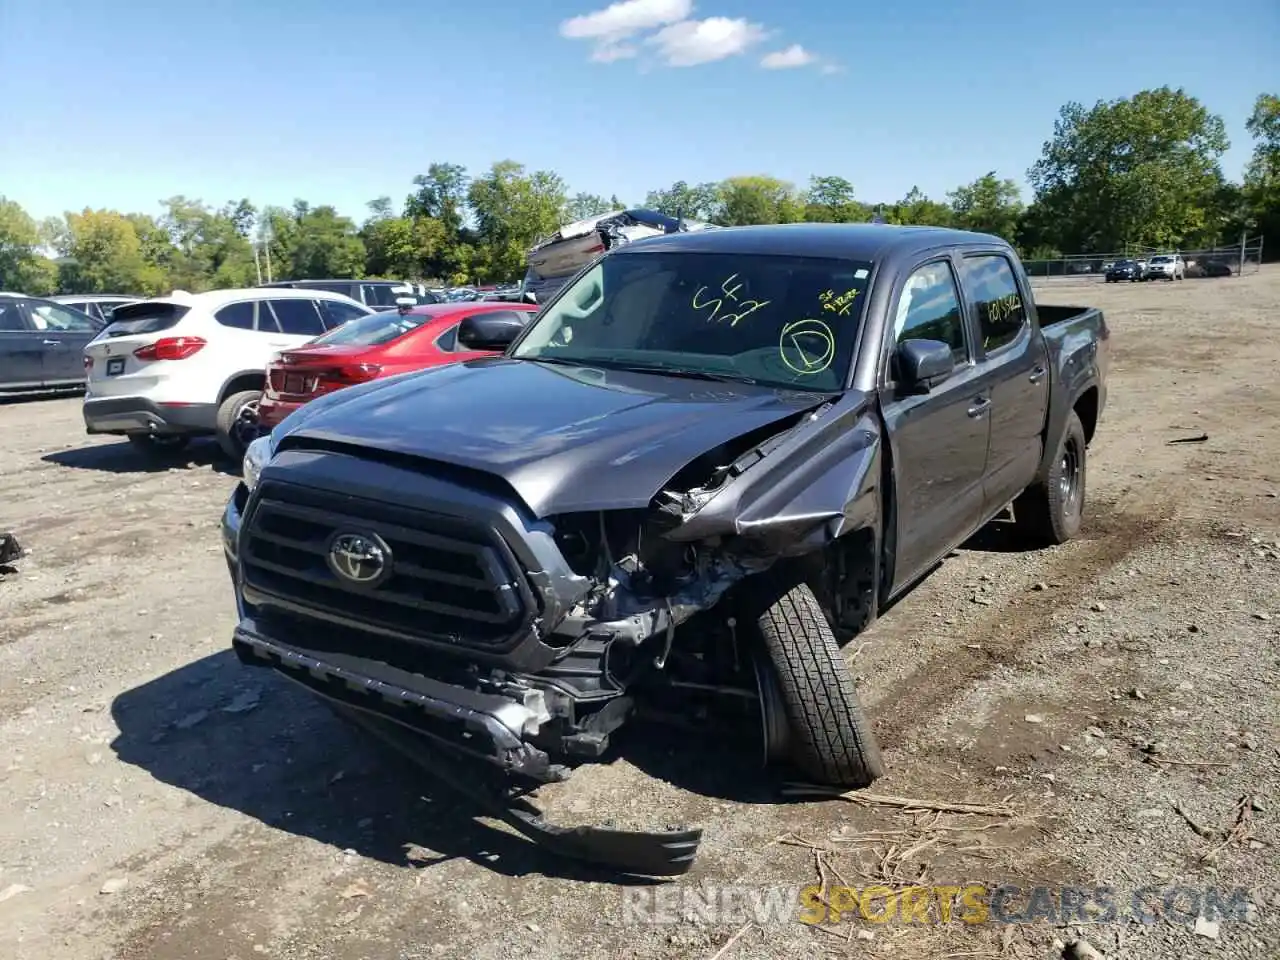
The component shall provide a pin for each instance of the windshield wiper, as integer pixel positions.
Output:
(661, 368)
(672, 371)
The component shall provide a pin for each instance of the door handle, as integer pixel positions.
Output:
(1037, 374)
(980, 405)
(53, 343)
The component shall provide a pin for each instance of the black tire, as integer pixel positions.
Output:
(231, 434)
(153, 445)
(831, 739)
(1049, 512)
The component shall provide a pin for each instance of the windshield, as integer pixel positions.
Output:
(373, 329)
(778, 320)
(1162, 259)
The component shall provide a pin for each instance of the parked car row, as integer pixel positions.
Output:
(1165, 266)
(229, 362)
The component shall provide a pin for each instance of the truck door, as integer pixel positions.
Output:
(938, 439)
(1014, 363)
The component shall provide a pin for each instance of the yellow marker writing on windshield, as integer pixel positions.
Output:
(807, 346)
(839, 305)
(729, 289)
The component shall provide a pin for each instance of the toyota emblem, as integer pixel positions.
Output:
(359, 558)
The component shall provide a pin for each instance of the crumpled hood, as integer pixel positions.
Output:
(565, 438)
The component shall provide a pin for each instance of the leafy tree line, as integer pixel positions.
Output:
(1143, 170)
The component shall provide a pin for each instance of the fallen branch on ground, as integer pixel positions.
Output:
(902, 803)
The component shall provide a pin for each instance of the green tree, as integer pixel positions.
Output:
(988, 205)
(1143, 169)
(23, 267)
(103, 255)
(308, 243)
(758, 199)
(830, 200)
(917, 209)
(698, 202)
(400, 247)
(1260, 195)
(584, 205)
(210, 249)
(513, 210)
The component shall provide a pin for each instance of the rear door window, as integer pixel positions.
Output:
(992, 288)
(447, 342)
(11, 318)
(298, 318)
(236, 315)
(57, 318)
(335, 313)
(378, 294)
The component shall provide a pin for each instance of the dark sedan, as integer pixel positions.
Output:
(42, 344)
(1130, 270)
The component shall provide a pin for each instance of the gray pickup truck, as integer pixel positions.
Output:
(709, 461)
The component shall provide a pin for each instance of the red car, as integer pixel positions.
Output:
(377, 345)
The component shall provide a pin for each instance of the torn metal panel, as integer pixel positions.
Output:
(10, 549)
(809, 484)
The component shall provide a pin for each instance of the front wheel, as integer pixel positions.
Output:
(829, 736)
(1051, 509)
(238, 423)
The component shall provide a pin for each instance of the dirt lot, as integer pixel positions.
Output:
(159, 801)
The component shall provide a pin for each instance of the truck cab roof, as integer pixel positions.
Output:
(847, 241)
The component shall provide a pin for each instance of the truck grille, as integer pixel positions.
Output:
(451, 581)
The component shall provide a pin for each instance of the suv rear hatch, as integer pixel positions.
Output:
(112, 365)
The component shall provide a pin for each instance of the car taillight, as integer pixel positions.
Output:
(347, 375)
(171, 348)
(88, 364)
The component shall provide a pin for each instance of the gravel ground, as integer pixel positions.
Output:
(1111, 703)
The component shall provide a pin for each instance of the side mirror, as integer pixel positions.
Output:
(923, 364)
(491, 331)
(406, 302)
(531, 297)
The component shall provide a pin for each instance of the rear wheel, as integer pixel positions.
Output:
(154, 445)
(1051, 509)
(238, 422)
(827, 734)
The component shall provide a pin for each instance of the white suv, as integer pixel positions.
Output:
(1167, 266)
(186, 365)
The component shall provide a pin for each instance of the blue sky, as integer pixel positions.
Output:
(119, 104)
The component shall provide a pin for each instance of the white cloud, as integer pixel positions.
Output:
(794, 56)
(692, 42)
(624, 19)
(830, 68)
(612, 52)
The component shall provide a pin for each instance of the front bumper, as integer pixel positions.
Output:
(487, 726)
(124, 415)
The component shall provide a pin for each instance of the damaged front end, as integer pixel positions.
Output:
(525, 642)
(789, 492)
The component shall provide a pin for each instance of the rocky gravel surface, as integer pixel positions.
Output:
(1099, 718)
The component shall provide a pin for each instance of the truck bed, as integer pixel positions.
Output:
(1052, 314)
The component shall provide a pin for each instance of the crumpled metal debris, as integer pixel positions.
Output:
(10, 549)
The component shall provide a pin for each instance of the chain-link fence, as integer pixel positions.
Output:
(1230, 260)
